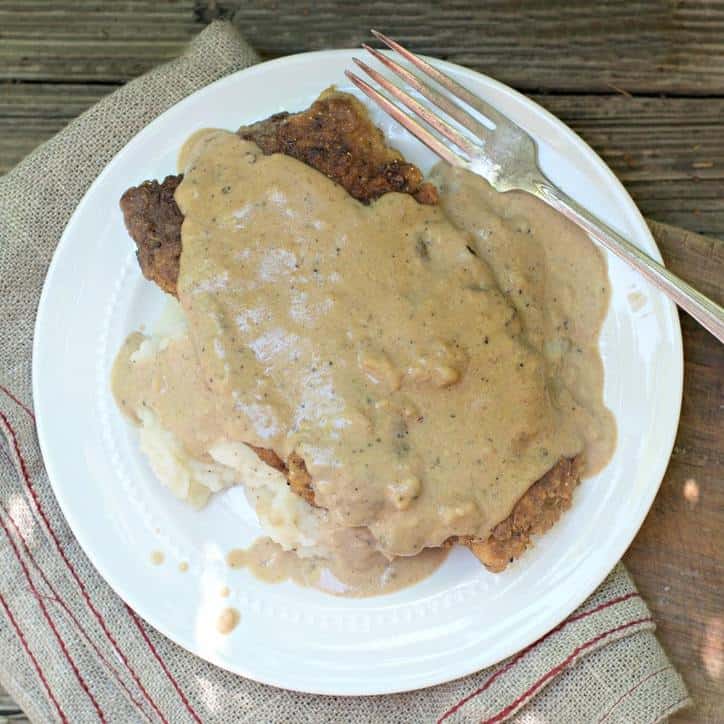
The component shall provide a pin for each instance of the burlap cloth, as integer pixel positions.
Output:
(71, 650)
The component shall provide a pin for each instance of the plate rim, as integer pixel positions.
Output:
(583, 591)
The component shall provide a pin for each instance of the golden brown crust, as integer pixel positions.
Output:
(534, 514)
(268, 456)
(295, 471)
(154, 222)
(336, 137)
(299, 479)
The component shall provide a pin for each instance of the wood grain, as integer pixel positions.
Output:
(676, 558)
(641, 81)
(645, 46)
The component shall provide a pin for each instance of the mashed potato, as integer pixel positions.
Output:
(188, 479)
(285, 517)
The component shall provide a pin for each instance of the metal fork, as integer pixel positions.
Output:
(505, 155)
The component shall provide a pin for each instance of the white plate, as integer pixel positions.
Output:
(456, 622)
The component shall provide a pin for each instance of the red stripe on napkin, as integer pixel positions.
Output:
(24, 642)
(571, 619)
(74, 573)
(49, 620)
(72, 616)
(186, 702)
(503, 713)
(17, 401)
(631, 691)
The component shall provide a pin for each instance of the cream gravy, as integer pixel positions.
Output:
(428, 363)
(355, 569)
(228, 620)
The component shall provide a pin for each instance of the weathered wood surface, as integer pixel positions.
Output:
(676, 558)
(648, 46)
(642, 82)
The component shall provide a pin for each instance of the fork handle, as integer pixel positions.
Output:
(707, 312)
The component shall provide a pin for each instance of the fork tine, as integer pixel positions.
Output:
(421, 133)
(441, 101)
(427, 115)
(439, 77)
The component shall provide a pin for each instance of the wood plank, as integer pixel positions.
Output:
(701, 258)
(30, 113)
(698, 207)
(668, 152)
(64, 101)
(644, 46)
(84, 40)
(676, 557)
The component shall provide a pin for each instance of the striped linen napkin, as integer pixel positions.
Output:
(72, 651)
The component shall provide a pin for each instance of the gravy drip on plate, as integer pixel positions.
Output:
(356, 568)
(427, 363)
(228, 620)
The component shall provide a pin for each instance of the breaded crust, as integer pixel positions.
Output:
(294, 469)
(154, 222)
(336, 137)
(534, 514)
